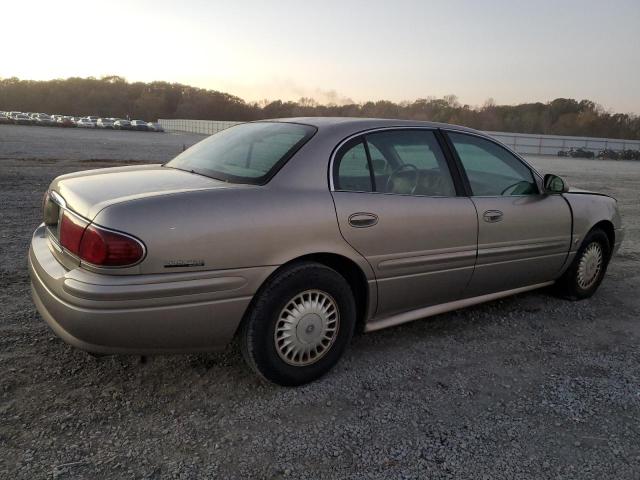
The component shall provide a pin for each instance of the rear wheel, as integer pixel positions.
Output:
(299, 324)
(583, 277)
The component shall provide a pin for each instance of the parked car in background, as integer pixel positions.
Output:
(122, 125)
(629, 154)
(287, 234)
(139, 125)
(44, 120)
(4, 118)
(105, 123)
(609, 154)
(22, 119)
(65, 121)
(86, 123)
(155, 127)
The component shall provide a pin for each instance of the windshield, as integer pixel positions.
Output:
(245, 153)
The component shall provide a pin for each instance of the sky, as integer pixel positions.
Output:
(334, 51)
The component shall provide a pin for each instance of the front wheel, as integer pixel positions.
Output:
(583, 277)
(299, 324)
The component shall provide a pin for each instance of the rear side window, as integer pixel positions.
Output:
(403, 162)
(352, 168)
(410, 162)
(491, 169)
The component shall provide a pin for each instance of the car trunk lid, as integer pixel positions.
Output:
(88, 192)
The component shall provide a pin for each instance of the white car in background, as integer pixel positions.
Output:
(122, 124)
(105, 123)
(21, 119)
(43, 120)
(86, 123)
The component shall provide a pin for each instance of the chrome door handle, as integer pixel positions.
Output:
(363, 219)
(492, 216)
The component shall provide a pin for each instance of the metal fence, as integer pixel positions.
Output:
(207, 127)
(520, 142)
(552, 144)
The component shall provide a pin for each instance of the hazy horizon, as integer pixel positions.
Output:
(513, 52)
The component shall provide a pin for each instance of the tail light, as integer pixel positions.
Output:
(71, 229)
(109, 248)
(97, 245)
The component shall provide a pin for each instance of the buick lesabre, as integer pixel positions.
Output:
(290, 234)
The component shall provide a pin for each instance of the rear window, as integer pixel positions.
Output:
(246, 153)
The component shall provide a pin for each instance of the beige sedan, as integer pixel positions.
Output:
(290, 234)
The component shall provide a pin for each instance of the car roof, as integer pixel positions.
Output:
(360, 124)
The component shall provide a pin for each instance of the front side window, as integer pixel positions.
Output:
(491, 169)
(246, 153)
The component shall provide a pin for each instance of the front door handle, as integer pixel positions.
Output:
(363, 219)
(492, 216)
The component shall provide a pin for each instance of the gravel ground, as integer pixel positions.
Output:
(526, 387)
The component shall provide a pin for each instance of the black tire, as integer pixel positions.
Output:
(257, 336)
(569, 284)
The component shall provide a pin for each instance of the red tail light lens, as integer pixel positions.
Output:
(96, 245)
(71, 229)
(110, 249)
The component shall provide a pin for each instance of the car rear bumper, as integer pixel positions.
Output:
(140, 314)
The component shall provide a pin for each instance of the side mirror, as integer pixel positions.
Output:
(554, 184)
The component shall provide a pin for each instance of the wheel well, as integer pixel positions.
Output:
(607, 227)
(352, 273)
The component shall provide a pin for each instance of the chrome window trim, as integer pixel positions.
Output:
(537, 175)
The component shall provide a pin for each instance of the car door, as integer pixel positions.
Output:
(397, 205)
(524, 234)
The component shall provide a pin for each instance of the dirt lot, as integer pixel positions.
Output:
(526, 387)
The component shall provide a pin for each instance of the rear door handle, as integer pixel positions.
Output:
(363, 219)
(492, 216)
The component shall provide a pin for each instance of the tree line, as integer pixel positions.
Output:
(113, 96)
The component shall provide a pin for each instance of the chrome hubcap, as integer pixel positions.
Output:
(306, 328)
(590, 265)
